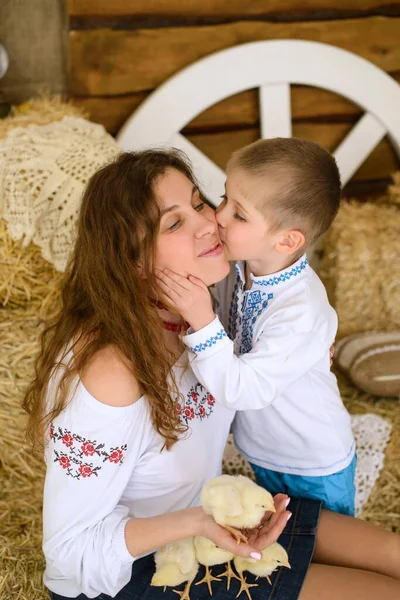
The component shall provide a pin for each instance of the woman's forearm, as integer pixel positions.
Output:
(150, 533)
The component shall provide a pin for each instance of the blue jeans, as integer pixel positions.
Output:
(298, 538)
(336, 491)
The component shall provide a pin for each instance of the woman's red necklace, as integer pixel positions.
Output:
(177, 327)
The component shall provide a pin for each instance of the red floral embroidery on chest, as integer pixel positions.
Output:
(73, 453)
(198, 404)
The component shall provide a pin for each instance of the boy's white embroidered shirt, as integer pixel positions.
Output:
(276, 371)
(104, 466)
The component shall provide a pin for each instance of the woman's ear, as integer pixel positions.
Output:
(291, 242)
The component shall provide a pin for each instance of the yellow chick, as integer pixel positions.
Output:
(236, 502)
(175, 564)
(208, 554)
(273, 557)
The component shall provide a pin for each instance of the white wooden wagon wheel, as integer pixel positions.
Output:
(270, 66)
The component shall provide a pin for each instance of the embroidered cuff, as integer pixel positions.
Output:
(208, 340)
(119, 543)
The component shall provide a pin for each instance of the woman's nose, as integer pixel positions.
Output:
(207, 223)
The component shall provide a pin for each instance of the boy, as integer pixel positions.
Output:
(281, 196)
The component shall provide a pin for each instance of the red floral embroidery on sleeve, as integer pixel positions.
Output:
(67, 439)
(65, 463)
(88, 449)
(210, 400)
(72, 450)
(199, 404)
(85, 470)
(116, 456)
(189, 413)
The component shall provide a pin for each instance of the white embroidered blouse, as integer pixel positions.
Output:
(104, 466)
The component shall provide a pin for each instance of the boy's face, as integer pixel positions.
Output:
(242, 227)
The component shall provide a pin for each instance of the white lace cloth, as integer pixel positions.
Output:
(43, 172)
(371, 433)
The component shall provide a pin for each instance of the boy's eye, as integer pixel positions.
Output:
(239, 217)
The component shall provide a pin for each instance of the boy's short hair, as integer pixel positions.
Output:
(310, 189)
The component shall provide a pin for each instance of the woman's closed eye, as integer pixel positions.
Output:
(175, 225)
(198, 208)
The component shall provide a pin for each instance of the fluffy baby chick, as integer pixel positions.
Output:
(273, 557)
(235, 501)
(208, 554)
(175, 564)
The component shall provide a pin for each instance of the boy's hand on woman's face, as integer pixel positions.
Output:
(190, 297)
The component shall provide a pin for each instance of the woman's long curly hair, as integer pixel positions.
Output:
(105, 295)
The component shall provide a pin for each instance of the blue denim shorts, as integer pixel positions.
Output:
(298, 538)
(337, 491)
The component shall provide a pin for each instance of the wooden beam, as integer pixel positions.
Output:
(379, 165)
(109, 63)
(226, 8)
(35, 35)
(241, 110)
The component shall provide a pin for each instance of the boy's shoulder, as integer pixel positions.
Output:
(303, 305)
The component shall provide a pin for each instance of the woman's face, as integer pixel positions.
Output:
(188, 241)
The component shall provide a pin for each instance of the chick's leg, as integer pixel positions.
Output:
(184, 595)
(229, 574)
(244, 586)
(208, 578)
(238, 535)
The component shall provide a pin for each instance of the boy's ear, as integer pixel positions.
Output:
(291, 242)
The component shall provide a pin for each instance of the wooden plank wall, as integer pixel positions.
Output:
(34, 33)
(120, 51)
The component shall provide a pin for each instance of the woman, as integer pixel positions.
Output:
(130, 435)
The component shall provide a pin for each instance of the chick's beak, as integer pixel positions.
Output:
(269, 507)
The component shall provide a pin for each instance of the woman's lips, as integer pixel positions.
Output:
(216, 250)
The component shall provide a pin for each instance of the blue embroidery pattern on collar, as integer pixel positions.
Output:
(284, 276)
(255, 302)
(211, 341)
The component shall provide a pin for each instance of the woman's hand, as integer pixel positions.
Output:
(189, 296)
(271, 526)
(259, 538)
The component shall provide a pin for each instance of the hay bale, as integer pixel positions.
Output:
(24, 275)
(43, 172)
(394, 190)
(21, 473)
(360, 267)
(39, 111)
